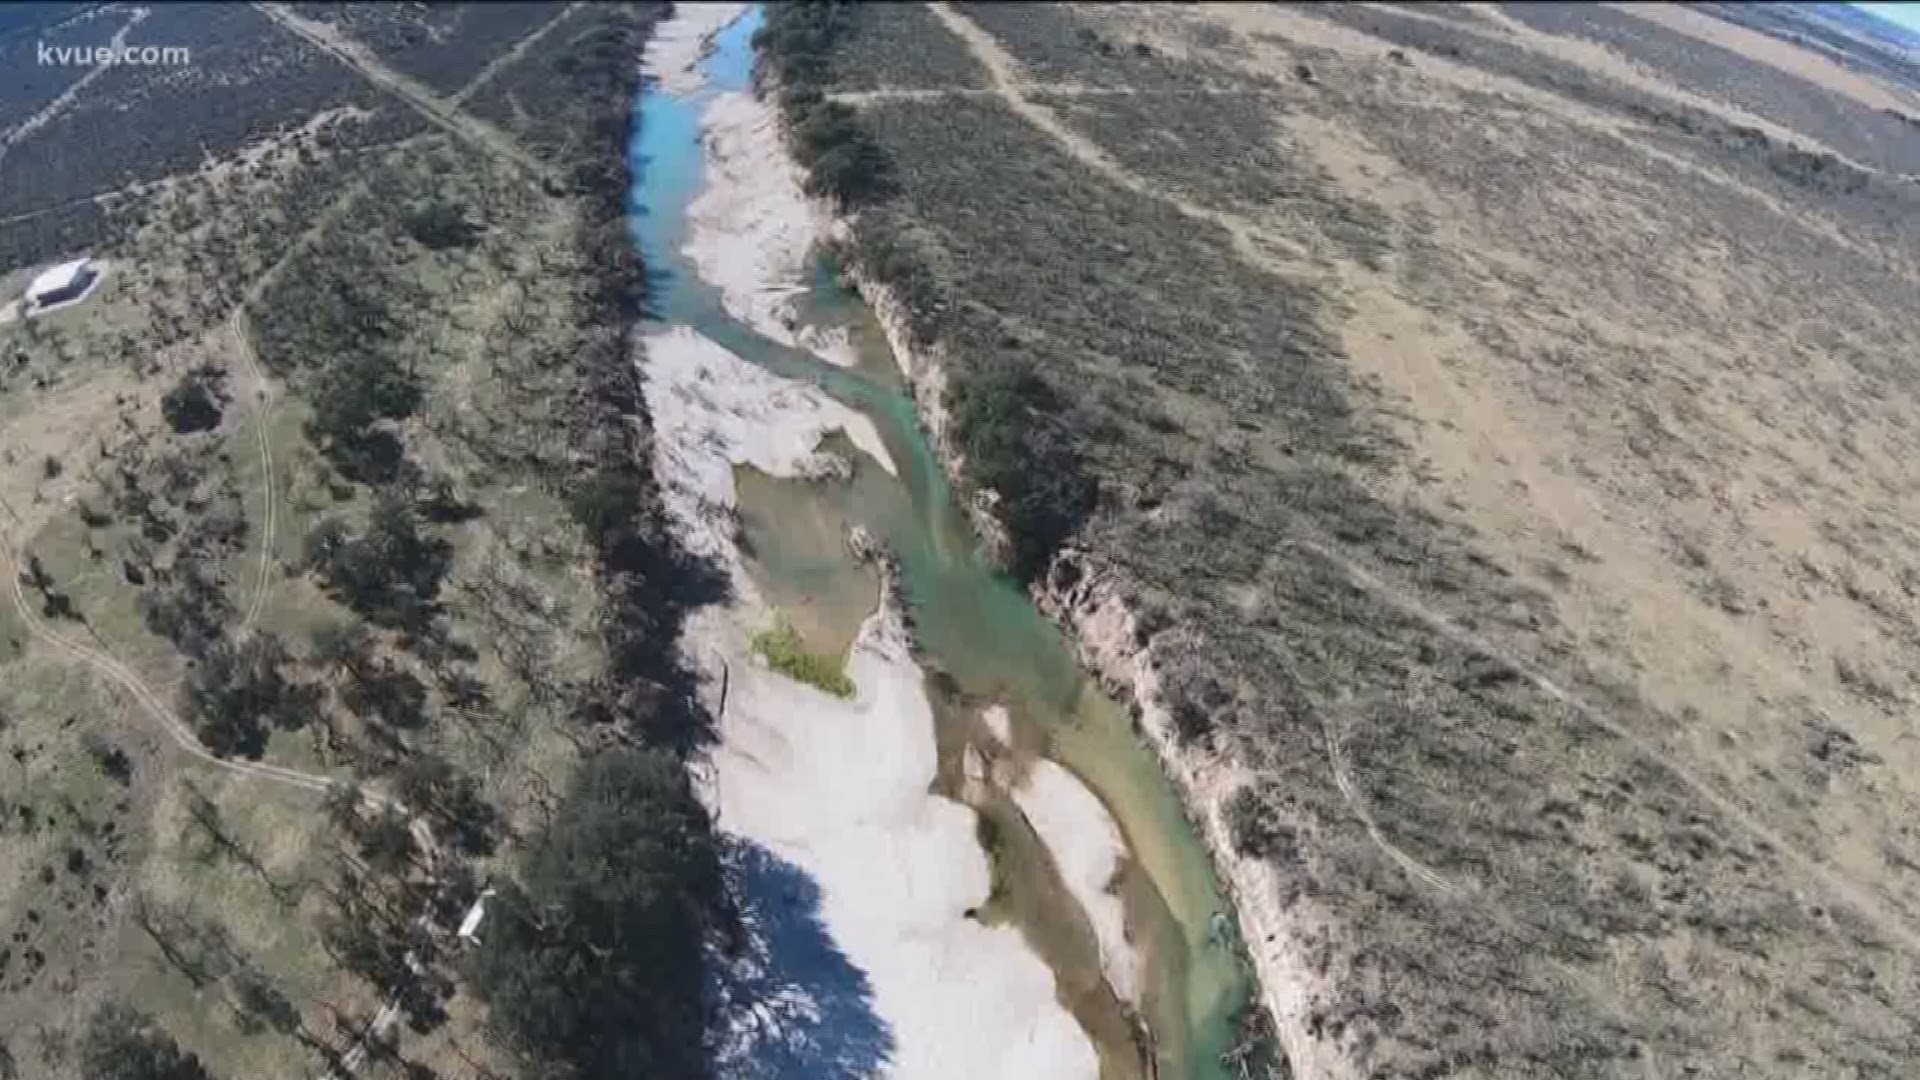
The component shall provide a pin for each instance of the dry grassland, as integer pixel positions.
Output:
(1507, 437)
(133, 865)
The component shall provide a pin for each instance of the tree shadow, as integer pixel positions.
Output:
(789, 1004)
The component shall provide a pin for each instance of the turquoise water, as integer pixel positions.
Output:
(971, 622)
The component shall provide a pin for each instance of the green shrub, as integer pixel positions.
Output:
(788, 655)
(1009, 424)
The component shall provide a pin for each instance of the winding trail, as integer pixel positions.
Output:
(444, 114)
(133, 684)
(1256, 244)
(269, 499)
(1343, 779)
(940, 93)
(512, 55)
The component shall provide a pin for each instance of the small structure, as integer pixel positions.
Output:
(470, 925)
(68, 283)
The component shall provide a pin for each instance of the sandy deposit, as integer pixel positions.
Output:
(841, 789)
(1087, 847)
(677, 46)
(712, 411)
(1000, 723)
(1086, 844)
(751, 230)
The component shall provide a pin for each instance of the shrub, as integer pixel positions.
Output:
(440, 225)
(788, 655)
(122, 1043)
(190, 608)
(1255, 833)
(1008, 422)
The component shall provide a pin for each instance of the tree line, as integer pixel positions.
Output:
(1009, 424)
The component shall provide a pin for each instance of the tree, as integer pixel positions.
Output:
(1007, 419)
(123, 1043)
(593, 964)
(350, 398)
(393, 695)
(386, 841)
(239, 689)
(391, 573)
(429, 782)
(261, 1004)
(440, 225)
(190, 609)
(195, 404)
(345, 645)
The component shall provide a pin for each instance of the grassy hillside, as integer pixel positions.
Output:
(333, 555)
(1501, 449)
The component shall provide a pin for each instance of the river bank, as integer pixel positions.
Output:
(1102, 625)
(1094, 604)
(1096, 613)
(840, 790)
(1095, 877)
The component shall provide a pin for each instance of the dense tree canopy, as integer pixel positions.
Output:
(391, 573)
(196, 403)
(240, 689)
(122, 1043)
(592, 965)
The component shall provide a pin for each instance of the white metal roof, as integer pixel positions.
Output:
(478, 911)
(56, 278)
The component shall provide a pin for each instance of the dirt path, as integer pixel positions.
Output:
(442, 113)
(1256, 243)
(513, 54)
(128, 680)
(1343, 779)
(1258, 246)
(269, 499)
(904, 93)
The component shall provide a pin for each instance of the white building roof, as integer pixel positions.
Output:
(56, 278)
(471, 924)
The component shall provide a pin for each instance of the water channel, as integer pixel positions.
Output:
(978, 631)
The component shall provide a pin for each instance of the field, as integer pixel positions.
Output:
(1496, 421)
(328, 558)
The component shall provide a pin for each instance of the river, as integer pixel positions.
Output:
(975, 628)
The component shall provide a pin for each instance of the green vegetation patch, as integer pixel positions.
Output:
(787, 654)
